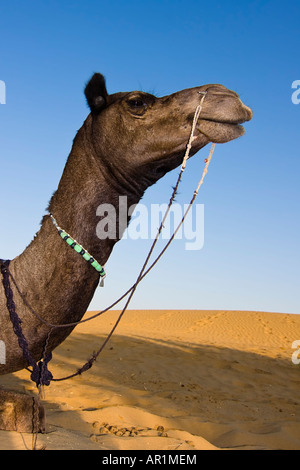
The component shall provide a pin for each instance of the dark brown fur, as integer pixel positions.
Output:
(128, 141)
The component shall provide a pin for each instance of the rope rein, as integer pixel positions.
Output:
(40, 373)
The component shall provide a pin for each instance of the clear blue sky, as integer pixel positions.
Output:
(48, 50)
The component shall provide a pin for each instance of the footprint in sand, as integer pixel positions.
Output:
(129, 431)
(207, 320)
(265, 325)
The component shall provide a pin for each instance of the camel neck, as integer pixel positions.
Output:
(57, 282)
(87, 184)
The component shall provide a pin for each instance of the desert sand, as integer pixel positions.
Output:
(173, 380)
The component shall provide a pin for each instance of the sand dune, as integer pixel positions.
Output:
(167, 380)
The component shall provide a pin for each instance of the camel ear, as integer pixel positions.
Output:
(96, 93)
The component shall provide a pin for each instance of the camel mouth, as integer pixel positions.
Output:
(233, 121)
(224, 128)
(219, 131)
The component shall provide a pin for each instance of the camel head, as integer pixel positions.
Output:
(141, 137)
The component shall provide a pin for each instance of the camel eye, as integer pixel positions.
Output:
(137, 105)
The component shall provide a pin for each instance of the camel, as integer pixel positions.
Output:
(127, 143)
